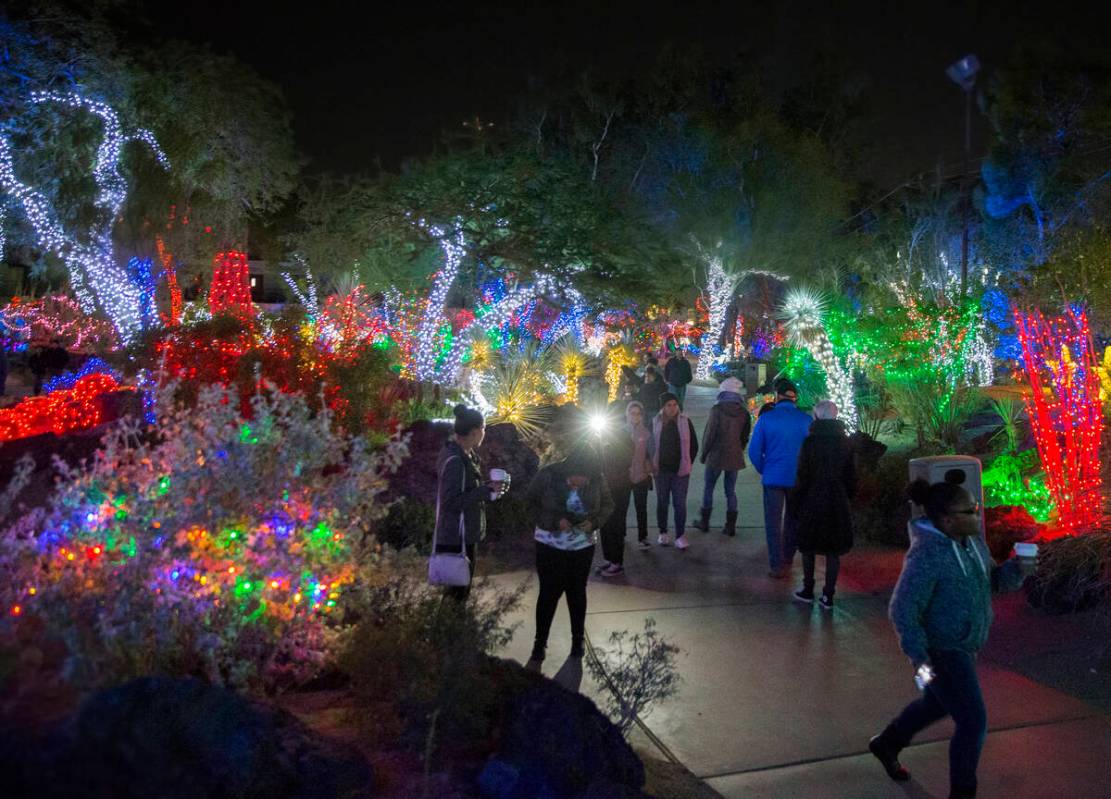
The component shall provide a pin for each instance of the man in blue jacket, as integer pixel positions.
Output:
(774, 453)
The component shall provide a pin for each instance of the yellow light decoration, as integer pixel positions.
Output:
(618, 357)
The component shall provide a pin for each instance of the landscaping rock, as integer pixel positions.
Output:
(182, 738)
(417, 478)
(558, 740)
(868, 450)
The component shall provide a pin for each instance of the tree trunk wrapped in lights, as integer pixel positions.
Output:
(1064, 411)
(802, 314)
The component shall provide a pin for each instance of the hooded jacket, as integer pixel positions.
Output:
(548, 494)
(776, 441)
(943, 597)
(726, 434)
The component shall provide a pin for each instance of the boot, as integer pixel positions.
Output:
(730, 528)
(704, 523)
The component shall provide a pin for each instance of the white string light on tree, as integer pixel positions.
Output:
(802, 314)
(99, 283)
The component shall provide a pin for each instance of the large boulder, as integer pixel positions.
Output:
(182, 738)
(556, 743)
(416, 479)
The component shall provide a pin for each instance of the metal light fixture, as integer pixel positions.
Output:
(963, 72)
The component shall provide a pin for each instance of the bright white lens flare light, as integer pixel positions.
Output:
(598, 423)
(802, 314)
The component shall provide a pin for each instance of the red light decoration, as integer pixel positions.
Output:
(231, 286)
(60, 412)
(169, 271)
(1065, 412)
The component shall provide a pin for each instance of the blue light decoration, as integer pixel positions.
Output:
(67, 380)
(141, 275)
(999, 313)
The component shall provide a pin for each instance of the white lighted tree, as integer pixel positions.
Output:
(98, 281)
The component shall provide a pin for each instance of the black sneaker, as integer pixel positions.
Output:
(889, 761)
(804, 595)
(577, 650)
(826, 601)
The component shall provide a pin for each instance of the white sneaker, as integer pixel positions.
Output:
(664, 540)
(681, 542)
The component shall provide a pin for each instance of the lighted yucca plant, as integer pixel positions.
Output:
(519, 390)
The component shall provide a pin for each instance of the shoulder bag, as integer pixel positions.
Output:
(450, 568)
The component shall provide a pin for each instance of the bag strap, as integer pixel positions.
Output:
(462, 513)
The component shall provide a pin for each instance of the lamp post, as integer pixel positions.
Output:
(963, 73)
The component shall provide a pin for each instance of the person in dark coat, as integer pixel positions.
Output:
(826, 482)
(677, 375)
(650, 392)
(723, 451)
(461, 492)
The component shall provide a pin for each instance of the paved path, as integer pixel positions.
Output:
(779, 698)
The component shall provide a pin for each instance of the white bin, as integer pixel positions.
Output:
(935, 468)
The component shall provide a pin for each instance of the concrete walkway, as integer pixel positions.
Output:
(779, 698)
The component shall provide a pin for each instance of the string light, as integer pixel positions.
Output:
(169, 273)
(60, 412)
(454, 249)
(231, 285)
(97, 280)
(802, 313)
(1064, 411)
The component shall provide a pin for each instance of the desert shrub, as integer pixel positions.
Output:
(1005, 526)
(208, 545)
(638, 671)
(880, 510)
(509, 518)
(424, 657)
(409, 523)
(1074, 574)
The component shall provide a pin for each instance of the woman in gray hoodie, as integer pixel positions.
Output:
(941, 610)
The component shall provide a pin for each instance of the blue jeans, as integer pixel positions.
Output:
(778, 528)
(730, 488)
(671, 484)
(678, 391)
(955, 692)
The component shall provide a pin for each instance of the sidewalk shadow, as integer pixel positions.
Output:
(570, 674)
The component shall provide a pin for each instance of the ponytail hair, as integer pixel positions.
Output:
(467, 420)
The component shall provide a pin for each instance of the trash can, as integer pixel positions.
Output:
(960, 469)
(756, 374)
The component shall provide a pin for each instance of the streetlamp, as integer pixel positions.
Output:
(963, 73)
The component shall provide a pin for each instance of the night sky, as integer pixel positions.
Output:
(368, 82)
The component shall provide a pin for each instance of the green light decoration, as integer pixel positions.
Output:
(1004, 484)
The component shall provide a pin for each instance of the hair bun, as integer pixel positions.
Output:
(459, 410)
(919, 491)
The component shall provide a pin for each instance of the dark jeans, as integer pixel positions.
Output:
(562, 571)
(833, 566)
(711, 481)
(669, 484)
(460, 592)
(778, 527)
(955, 692)
(613, 531)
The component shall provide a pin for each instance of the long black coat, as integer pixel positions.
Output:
(826, 482)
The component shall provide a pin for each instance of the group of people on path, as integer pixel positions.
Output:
(941, 606)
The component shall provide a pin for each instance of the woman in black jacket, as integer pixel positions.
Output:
(461, 492)
(826, 482)
(570, 500)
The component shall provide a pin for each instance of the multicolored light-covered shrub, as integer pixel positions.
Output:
(211, 545)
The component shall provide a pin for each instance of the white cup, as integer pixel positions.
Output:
(1026, 550)
(498, 476)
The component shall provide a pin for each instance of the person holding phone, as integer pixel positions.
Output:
(941, 610)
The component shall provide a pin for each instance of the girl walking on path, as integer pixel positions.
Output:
(825, 483)
(674, 447)
(941, 610)
(628, 474)
(569, 498)
(723, 451)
